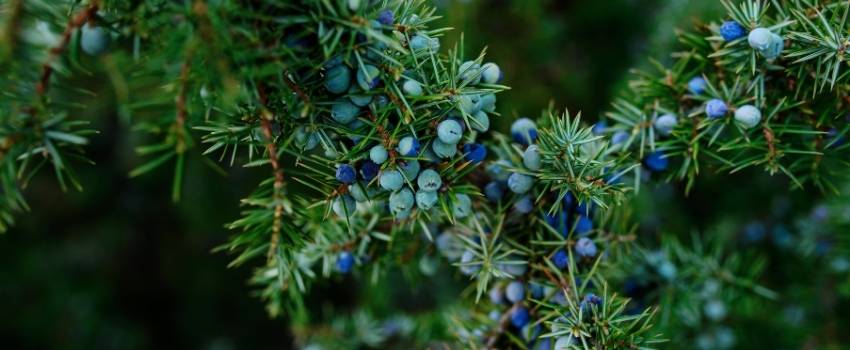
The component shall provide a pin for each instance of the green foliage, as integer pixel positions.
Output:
(249, 83)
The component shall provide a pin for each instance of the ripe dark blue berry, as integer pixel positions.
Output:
(474, 152)
(697, 85)
(520, 317)
(561, 259)
(369, 170)
(656, 161)
(344, 262)
(715, 108)
(583, 225)
(386, 17)
(346, 174)
(592, 299)
(731, 30)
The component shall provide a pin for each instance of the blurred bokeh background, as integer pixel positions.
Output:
(119, 266)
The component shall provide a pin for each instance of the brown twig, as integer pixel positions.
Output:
(180, 100)
(294, 87)
(266, 118)
(75, 22)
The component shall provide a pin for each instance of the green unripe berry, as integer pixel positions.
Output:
(338, 79)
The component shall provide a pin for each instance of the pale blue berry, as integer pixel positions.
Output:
(358, 192)
(401, 202)
(775, 48)
(697, 85)
(564, 343)
(714, 310)
(462, 206)
(760, 38)
(470, 72)
(488, 103)
(443, 150)
(524, 131)
(344, 112)
(411, 88)
(469, 104)
(357, 97)
(516, 269)
(449, 246)
(494, 191)
(468, 266)
(494, 315)
(449, 131)
(368, 77)
(664, 124)
(515, 292)
(344, 262)
(94, 40)
(524, 205)
(410, 168)
(667, 270)
(498, 170)
(585, 248)
(496, 295)
(408, 146)
(480, 121)
(731, 30)
(520, 183)
(715, 108)
(305, 139)
(531, 158)
(426, 200)
(378, 154)
(429, 180)
(420, 42)
(490, 73)
(344, 206)
(391, 180)
(748, 116)
(619, 137)
(338, 79)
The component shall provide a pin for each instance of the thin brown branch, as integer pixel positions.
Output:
(74, 23)
(294, 87)
(180, 101)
